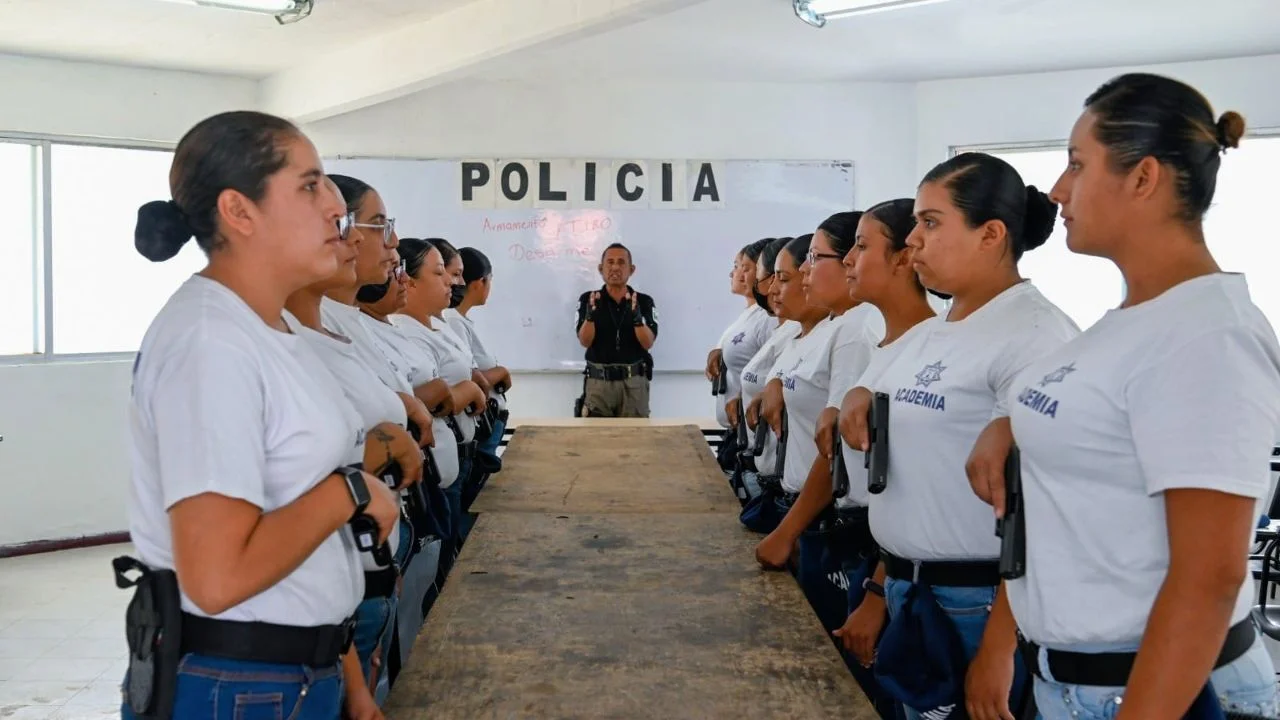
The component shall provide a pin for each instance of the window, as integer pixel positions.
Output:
(104, 293)
(19, 243)
(1084, 287)
(1235, 229)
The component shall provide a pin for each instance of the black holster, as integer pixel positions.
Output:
(153, 627)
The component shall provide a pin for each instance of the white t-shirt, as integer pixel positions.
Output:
(836, 347)
(348, 321)
(855, 460)
(756, 375)
(739, 343)
(1181, 391)
(465, 328)
(222, 403)
(400, 365)
(947, 383)
(453, 357)
(375, 402)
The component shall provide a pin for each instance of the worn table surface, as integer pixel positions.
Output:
(620, 616)
(608, 469)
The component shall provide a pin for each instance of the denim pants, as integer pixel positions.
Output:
(1247, 685)
(968, 609)
(217, 689)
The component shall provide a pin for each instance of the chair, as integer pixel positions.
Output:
(1265, 615)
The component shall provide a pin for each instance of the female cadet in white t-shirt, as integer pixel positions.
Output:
(975, 218)
(413, 375)
(743, 338)
(428, 287)
(1145, 440)
(386, 440)
(838, 346)
(477, 274)
(879, 273)
(770, 406)
(756, 372)
(240, 434)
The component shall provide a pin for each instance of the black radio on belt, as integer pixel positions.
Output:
(720, 386)
(839, 472)
(1012, 528)
(877, 458)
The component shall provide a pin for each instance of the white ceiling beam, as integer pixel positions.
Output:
(443, 48)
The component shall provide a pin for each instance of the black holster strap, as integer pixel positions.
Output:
(380, 583)
(319, 647)
(1113, 669)
(771, 484)
(942, 573)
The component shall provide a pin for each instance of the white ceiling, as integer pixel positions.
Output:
(717, 39)
(763, 40)
(167, 35)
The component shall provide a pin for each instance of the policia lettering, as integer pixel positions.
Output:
(617, 325)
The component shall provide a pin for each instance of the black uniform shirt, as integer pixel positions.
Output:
(615, 341)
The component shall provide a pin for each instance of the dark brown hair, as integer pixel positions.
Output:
(231, 151)
(1142, 115)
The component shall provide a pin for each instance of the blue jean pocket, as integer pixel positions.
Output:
(259, 706)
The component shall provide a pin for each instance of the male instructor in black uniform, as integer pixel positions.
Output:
(617, 326)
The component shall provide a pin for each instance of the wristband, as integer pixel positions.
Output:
(358, 488)
(637, 317)
(873, 587)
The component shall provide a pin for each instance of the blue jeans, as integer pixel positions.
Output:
(968, 609)
(216, 689)
(1246, 685)
(751, 481)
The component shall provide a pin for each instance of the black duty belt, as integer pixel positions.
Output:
(942, 573)
(614, 373)
(380, 583)
(320, 647)
(1113, 669)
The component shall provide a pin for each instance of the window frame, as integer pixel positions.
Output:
(43, 350)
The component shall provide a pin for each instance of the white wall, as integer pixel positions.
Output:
(1040, 107)
(54, 97)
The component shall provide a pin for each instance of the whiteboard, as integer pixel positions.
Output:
(543, 259)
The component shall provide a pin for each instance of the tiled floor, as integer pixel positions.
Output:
(62, 646)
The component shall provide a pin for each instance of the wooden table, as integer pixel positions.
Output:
(608, 469)
(587, 606)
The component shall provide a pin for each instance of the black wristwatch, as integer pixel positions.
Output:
(873, 587)
(358, 488)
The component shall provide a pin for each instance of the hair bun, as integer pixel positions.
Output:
(1037, 225)
(1230, 129)
(161, 231)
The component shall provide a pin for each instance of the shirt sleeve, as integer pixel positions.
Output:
(650, 312)
(1206, 415)
(208, 406)
(1045, 334)
(583, 305)
(850, 357)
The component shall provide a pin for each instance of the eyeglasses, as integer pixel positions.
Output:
(345, 223)
(388, 228)
(814, 257)
(400, 271)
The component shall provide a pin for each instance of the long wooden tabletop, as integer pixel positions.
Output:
(608, 469)
(589, 608)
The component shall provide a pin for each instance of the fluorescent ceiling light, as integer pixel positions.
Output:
(285, 11)
(832, 9)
